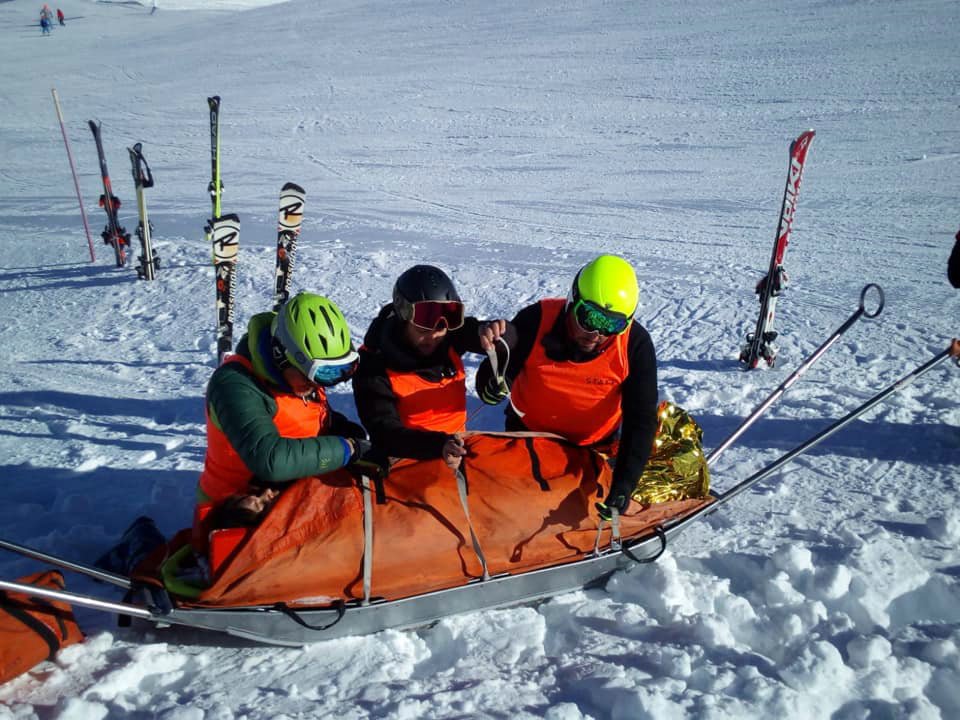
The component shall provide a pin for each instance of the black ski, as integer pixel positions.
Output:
(292, 198)
(216, 185)
(142, 179)
(225, 232)
(113, 234)
(760, 341)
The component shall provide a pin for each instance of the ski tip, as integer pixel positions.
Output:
(292, 186)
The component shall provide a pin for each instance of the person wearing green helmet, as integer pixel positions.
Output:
(268, 419)
(585, 369)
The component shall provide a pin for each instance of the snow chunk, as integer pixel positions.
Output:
(793, 559)
(564, 711)
(867, 651)
(945, 527)
(78, 709)
(830, 583)
(818, 670)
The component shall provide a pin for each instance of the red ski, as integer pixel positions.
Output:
(760, 341)
(114, 234)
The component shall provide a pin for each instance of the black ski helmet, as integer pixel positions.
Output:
(419, 283)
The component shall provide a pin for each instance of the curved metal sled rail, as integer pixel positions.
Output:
(294, 627)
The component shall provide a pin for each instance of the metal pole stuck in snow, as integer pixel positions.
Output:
(73, 170)
(827, 432)
(785, 385)
(97, 573)
(81, 600)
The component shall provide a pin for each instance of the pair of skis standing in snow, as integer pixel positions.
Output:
(114, 234)
(223, 231)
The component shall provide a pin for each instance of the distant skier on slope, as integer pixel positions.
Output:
(585, 369)
(60, 17)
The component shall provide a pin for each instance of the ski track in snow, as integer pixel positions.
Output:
(509, 144)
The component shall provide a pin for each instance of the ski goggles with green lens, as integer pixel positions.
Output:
(332, 372)
(594, 319)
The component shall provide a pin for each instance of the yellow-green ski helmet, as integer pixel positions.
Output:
(315, 338)
(604, 295)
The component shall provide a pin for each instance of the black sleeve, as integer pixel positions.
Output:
(639, 402)
(520, 335)
(343, 426)
(953, 264)
(467, 338)
(377, 410)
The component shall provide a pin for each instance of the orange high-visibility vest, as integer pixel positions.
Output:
(426, 405)
(224, 472)
(578, 401)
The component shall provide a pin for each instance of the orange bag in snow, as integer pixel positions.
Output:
(34, 629)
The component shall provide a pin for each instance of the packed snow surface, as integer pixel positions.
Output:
(508, 142)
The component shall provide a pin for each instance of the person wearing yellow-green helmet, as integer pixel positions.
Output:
(268, 419)
(585, 369)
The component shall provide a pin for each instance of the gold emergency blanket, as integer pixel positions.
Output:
(677, 469)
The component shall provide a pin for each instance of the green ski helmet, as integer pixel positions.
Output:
(604, 295)
(315, 338)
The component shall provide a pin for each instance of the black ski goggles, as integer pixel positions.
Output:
(594, 319)
(437, 315)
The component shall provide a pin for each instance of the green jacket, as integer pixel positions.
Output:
(241, 404)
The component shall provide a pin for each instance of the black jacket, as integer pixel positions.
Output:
(383, 349)
(953, 264)
(639, 392)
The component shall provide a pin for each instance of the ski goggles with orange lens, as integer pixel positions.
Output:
(437, 315)
(594, 319)
(332, 372)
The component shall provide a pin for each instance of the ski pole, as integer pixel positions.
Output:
(95, 573)
(73, 170)
(785, 385)
(827, 432)
(75, 599)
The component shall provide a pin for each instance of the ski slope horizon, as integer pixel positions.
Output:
(508, 143)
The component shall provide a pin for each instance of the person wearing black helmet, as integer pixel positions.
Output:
(410, 387)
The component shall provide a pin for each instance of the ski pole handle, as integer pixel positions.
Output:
(863, 298)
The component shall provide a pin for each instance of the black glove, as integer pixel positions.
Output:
(367, 460)
(342, 426)
(616, 499)
(493, 392)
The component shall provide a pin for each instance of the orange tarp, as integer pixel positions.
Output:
(531, 501)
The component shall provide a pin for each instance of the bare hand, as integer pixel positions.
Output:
(955, 345)
(489, 332)
(453, 451)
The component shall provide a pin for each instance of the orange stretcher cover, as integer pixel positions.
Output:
(531, 501)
